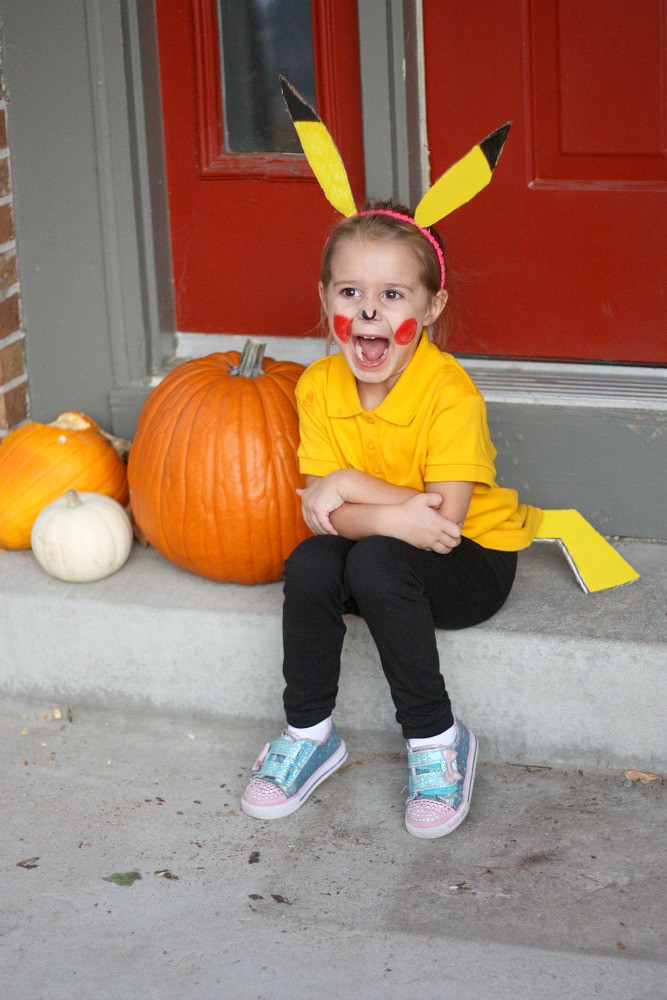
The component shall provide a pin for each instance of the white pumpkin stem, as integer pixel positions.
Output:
(250, 362)
(73, 499)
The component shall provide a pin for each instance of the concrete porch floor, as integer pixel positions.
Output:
(552, 889)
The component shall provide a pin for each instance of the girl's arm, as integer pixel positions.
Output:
(356, 505)
(325, 494)
(456, 497)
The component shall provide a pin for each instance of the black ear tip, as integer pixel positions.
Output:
(299, 109)
(492, 146)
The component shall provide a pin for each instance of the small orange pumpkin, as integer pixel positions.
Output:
(213, 470)
(40, 462)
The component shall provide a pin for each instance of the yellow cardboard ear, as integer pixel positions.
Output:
(595, 563)
(320, 150)
(463, 180)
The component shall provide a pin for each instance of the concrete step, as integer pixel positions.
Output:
(557, 676)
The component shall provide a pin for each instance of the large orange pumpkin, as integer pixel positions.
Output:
(40, 462)
(213, 470)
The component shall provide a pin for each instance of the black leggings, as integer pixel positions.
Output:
(404, 594)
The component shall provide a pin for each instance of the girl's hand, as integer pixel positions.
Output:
(421, 525)
(318, 501)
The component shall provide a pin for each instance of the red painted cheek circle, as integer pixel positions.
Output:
(406, 332)
(341, 325)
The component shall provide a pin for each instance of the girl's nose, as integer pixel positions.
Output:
(364, 315)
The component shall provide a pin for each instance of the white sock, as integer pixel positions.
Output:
(320, 732)
(441, 740)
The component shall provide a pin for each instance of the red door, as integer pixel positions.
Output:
(247, 229)
(563, 255)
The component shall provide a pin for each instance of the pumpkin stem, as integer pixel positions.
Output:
(120, 445)
(250, 362)
(73, 499)
(72, 421)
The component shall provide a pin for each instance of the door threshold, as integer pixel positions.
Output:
(546, 383)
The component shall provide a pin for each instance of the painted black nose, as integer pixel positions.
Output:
(364, 315)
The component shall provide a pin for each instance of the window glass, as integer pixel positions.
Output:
(259, 40)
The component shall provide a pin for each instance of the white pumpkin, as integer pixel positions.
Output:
(81, 537)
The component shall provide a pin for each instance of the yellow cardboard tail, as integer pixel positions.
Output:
(595, 563)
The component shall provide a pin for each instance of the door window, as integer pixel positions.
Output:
(260, 39)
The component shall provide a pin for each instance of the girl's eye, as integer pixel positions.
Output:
(348, 293)
(393, 294)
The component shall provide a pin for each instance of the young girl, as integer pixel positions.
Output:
(410, 529)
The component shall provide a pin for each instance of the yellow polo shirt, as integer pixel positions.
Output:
(430, 428)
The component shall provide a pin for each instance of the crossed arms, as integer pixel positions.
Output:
(354, 504)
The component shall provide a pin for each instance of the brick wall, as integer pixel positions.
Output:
(13, 373)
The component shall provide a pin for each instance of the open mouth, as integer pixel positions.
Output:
(371, 351)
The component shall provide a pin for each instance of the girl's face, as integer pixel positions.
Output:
(376, 307)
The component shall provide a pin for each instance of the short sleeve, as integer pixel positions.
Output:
(316, 452)
(459, 447)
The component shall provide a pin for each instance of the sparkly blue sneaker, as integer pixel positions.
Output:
(441, 780)
(287, 771)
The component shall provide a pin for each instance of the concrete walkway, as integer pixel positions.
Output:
(552, 889)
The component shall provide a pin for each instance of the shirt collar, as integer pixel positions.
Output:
(401, 403)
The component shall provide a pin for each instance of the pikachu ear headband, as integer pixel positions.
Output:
(454, 188)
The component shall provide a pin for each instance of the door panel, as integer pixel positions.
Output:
(563, 256)
(247, 230)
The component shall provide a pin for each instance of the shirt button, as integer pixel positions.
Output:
(369, 419)
(370, 446)
(376, 472)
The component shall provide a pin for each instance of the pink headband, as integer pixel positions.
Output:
(425, 232)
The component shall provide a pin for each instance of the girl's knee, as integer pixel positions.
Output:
(372, 563)
(316, 558)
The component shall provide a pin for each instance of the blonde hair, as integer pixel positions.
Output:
(385, 227)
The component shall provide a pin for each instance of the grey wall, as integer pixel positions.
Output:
(95, 313)
(608, 464)
(49, 108)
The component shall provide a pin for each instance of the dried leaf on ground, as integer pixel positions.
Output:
(643, 776)
(28, 863)
(122, 878)
(254, 858)
(165, 873)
